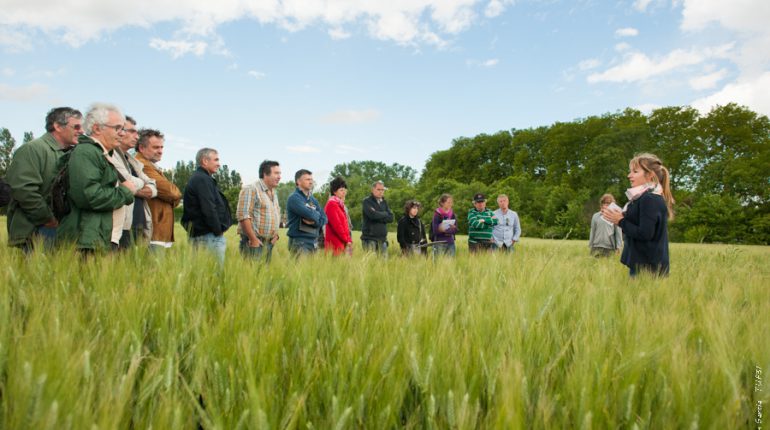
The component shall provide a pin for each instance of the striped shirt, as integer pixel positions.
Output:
(257, 203)
(480, 225)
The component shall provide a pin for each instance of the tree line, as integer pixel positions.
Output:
(554, 175)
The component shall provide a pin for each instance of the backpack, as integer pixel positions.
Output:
(60, 203)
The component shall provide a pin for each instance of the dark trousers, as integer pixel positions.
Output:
(476, 247)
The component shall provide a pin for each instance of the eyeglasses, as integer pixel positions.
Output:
(118, 127)
(129, 130)
(76, 127)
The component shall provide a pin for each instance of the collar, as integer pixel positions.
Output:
(100, 144)
(261, 185)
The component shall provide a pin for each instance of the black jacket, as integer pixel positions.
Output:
(411, 231)
(645, 233)
(375, 220)
(205, 207)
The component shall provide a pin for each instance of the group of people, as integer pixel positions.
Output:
(118, 199)
(114, 197)
(310, 225)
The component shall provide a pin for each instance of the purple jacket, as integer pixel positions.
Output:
(447, 236)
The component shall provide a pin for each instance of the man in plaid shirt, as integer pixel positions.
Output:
(259, 214)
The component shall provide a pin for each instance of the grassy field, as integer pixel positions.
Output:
(546, 338)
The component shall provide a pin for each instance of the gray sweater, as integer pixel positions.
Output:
(604, 235)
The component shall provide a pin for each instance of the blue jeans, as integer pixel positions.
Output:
(302, 246)
(46, 234)
(256, 253)
(378, 246)
(444, 249)
(215, 244)
(505, 248)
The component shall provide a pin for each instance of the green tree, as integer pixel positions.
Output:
(7, 143)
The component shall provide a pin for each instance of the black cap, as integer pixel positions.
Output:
(479, 198)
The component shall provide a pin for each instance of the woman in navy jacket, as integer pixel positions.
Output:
(645, 218)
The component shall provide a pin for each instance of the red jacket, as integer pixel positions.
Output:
(337, 227)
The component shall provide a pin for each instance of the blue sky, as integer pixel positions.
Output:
(317, 83)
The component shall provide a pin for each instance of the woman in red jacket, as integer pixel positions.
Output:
(338, 227)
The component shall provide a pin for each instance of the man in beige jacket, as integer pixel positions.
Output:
(132, 222)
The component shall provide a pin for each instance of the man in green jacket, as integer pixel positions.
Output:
(481, 223)
(94, 189)
(31, 174)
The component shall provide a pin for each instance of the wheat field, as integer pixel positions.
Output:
(546, 338)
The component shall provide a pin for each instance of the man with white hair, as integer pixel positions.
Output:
(132, 222)
(95, 189)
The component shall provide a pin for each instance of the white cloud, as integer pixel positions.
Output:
(637, 66)
(257, 75)
(496, 7)
(752, 93)
(707, 81)
(738, 15)
(402, 21)
(641, 5)
(626, 32)
(14, 40)
(622, 46)
(179, 48)
(647, 108)
(22, 94)
(8, 72)
(351, 116)
(348, 149)
(589, 64)
(338, 33)
(303, 149)
(492, 62)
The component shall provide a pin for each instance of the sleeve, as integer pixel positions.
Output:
(372, 214)
(337, 225)
(618, 237)
(401, 233)
(452, 228)
(435, 223)
(167, 191)
(114, 159)
(245, 204)
(297, 206)
(207, 201)
(491, 218)
(474, 220)
(148, 181)
(516, 227)
(648, 219)
(321, 214)
(592, 235)
(85, 171)
(26, 181)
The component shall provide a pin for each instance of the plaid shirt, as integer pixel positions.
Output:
(256, 204)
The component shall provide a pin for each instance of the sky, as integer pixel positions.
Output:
(315, 83)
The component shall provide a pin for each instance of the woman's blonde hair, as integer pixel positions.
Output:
(650, 163)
